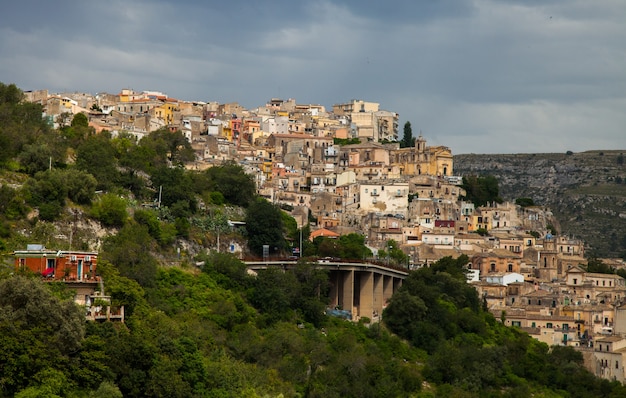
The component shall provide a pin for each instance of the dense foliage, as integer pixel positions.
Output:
(481, 190)
(264, 224)
(437, 311)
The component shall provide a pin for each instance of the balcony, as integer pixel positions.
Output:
(105, 313)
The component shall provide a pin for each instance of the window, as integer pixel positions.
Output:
(575, 281)
(549, 325)
(510, 267)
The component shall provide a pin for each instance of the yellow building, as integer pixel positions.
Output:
(421, 159)
(165, 111)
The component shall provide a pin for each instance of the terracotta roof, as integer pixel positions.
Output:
(323, 232)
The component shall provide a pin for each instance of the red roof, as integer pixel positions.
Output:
(324, 232)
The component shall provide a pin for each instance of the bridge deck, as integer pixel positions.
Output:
(360, 289)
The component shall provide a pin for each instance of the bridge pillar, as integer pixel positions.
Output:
(366, 294)
(347, 291)
(378, 297)
(397, 282)
(336, 288)
(388, 288)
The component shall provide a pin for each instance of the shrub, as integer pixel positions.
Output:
(110, 210)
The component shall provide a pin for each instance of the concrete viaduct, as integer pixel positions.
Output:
(363, 289)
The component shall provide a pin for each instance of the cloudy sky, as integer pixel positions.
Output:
(479, 76)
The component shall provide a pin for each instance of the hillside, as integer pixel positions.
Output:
(586, 191)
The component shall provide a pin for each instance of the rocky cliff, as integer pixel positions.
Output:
(586, 191)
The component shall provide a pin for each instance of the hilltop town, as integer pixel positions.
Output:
(344, 170)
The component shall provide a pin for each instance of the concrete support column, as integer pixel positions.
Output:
(397, 282)
(347, 291)
(378, 297)
(387, 289)
(334, 277)
(366, 292)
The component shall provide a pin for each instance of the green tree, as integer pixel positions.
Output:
(230, 179)
(264, 226)
(123, 291)
(312, 297)
(445, 293)
(352, 246)
(81, 186)
(10, 94)
(161, 148)
(39, 332)
(596, 265)
(176, 190)
(226, 269)
(106, 390)
(273, 294)
(393, 254)
(49, 383)
(110, 210)
(48, 191)
(407, 138)
(524, 202)
(80, 120)
(12, 204)
(346, 141)
(326, 247)
(35, 158)
(150, 219)
(130, 251)
(97, 156)
(20, 122)
(481, 190)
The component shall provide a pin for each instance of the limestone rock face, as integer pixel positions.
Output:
(586, 191)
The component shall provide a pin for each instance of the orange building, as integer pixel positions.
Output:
(69, 265)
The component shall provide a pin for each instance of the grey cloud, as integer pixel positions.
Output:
(472, 74)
